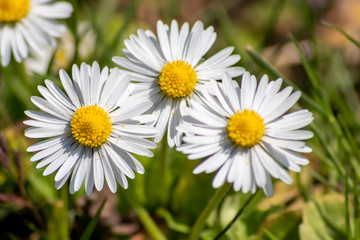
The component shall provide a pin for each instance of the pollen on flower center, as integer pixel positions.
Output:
(177, 79)
(91, 126)
(13, 10)
(246, 128)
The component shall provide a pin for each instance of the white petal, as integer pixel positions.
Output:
(131, 147)
(162, 32)
(163, 120)
(138, 130)
(98, 171)
(55, 164)
(108, 172)
(69, 88)
(220, 176)
(34, 132)
(44, 117)
(45, 144)
(69, 163)
(116, 158)
(83, 168)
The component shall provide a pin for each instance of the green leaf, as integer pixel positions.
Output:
(313, 227)
(324, 218)
(284, 226)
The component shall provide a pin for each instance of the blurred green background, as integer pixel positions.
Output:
(313, 44)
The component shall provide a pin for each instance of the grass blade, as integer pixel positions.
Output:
(90, 228)
(342, 33)
(256, 57)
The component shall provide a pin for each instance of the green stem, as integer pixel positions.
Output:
(163, 159)
(144, 216)
(162, 178)
(213, 203)
(238, 214)
(356, 211)
(333, 158)
(301, 187)
(62, 213)
(347, 211)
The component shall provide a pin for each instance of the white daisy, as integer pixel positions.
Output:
(92, 129)
(29, 25)
(243, 133)
(169, 71)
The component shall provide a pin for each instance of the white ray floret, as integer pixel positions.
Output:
(29, 25)
(245, 134)
(169, 71)
(92, 129)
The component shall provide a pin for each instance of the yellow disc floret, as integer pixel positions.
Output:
(91, 126)
(13, 10)
(246, 128)
(177, 79)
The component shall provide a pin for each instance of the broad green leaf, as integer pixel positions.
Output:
(324, 218)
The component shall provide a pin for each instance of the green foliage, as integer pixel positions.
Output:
(168, 200)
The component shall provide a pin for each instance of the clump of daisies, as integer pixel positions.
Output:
(245, 134)
(168, 71)
(29, 25)
(91, 130)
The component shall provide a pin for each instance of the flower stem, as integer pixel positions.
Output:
(163, 158)
(144, 216)
(238, 214)
(162, 178)
(213, 203)
(62, 213)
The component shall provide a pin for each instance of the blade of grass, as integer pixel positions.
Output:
(129, 15)
(238, 214)
(256, 57)
(271, 22)
(144, 216)
(270, 235)
(301, 187)
(90, 228)
(171, 222)
(320, 178)
(347, 211)
(354, 161)
(309, 16)
(345, 85)
(314, 79)
(60, 219)
(351, 39)
(332, 157)
(212, 204)
(356, 210)
(73, 23)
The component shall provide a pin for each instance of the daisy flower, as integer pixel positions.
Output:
(170, 73)
(244, 134)
(29, 25)
(92, 129)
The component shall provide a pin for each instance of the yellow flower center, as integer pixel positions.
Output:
(246, 128)
(91, 126)
(177, 79)
(13, 10)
